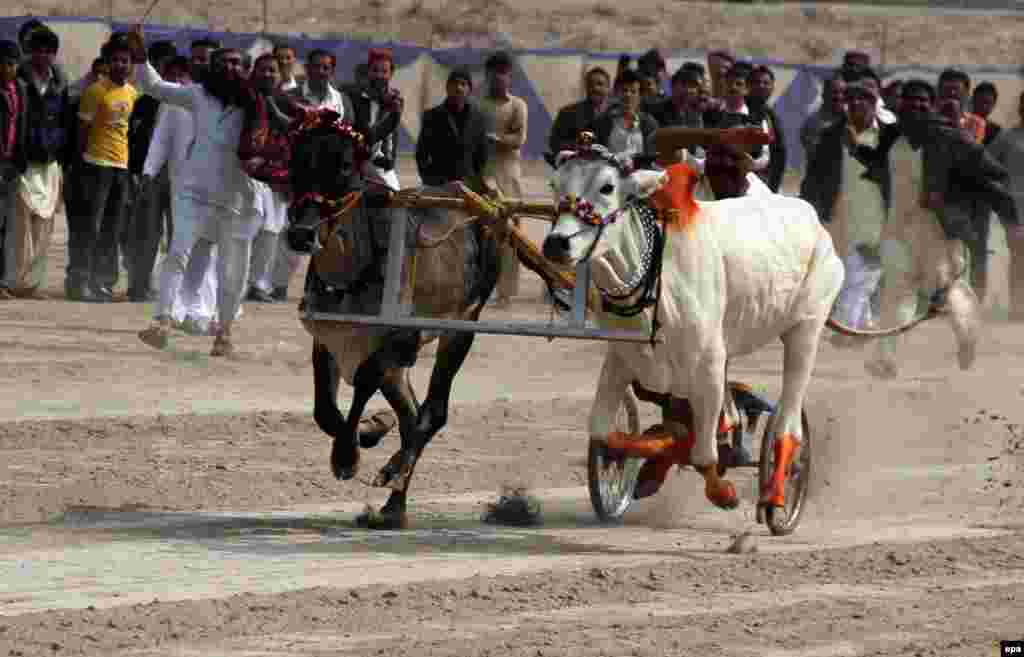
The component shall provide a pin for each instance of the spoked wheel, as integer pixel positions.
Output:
(783, 521)
(611, 480)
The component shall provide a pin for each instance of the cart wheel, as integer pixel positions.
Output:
(783, 521)
(611, 480)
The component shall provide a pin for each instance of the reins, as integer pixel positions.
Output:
(337, 210)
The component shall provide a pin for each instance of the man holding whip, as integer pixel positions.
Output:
(217, 196)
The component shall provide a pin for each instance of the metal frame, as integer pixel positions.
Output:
(397, 312)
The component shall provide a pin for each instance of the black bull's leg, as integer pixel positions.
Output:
(416, 431)
(386, 370)
(325, 391)
(396, 389)
(452, 351)
(398, 351)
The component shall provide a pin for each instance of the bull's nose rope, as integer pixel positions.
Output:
(585, 212)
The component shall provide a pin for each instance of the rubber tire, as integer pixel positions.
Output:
(629, 414)
(795, 502)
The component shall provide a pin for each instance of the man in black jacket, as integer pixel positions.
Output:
(573, 118)
(378, 111)
(762, 86)
(625, 129)
(453, 137)
(39, 189)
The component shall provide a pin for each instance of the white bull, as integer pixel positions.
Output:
(735, 275)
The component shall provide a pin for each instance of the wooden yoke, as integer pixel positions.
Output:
(494, 213)
(669, 140)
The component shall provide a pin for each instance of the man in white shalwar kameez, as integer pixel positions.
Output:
(194, 302)
(216, 206)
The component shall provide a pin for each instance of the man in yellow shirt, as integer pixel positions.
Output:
(105, 180)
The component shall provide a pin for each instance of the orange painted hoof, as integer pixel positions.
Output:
(774, 493)
(723, 496)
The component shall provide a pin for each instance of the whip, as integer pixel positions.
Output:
(152, 6)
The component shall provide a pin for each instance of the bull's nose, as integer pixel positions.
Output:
(556, 247)
(301, 238)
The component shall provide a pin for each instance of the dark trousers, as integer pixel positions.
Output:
(94, 233)
(74, 210)
(8, 194)
(151, 218)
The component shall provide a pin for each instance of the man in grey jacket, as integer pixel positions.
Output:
(39, 189)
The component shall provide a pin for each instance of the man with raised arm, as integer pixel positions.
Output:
(217, 195)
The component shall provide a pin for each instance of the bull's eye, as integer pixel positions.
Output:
(607, 189)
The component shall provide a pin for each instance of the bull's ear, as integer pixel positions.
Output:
(643, 183)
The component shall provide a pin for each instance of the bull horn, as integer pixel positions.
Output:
(669, 139)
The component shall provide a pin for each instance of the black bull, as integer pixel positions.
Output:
(345, 274)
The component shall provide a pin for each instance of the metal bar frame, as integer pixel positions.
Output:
(396, 312)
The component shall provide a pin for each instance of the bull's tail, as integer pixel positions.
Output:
(842, 329)
(936, 308)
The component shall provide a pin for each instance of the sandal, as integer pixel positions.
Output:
(222, 347)
(155, 336)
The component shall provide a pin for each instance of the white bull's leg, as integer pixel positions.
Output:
(800, 348)
(707, 397)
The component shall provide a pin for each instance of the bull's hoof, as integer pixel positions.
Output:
(345, 473)
(395, 474)
(344, 460)
(387, 478)
(373, 429)
(371, 519)
(652, 476)
(723, 496)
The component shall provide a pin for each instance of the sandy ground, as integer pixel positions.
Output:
(170, 504)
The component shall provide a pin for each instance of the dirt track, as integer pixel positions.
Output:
(170, 504)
